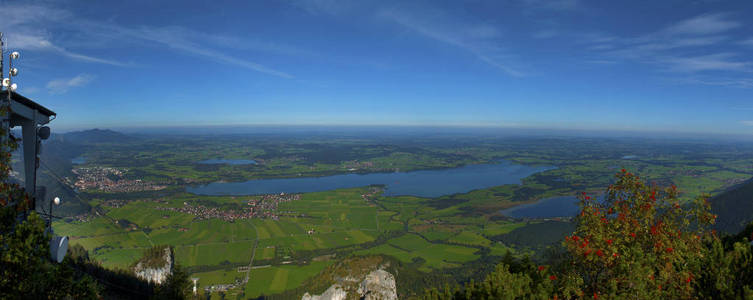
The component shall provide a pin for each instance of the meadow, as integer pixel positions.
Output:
(439, 237)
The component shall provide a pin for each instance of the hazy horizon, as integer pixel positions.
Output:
(563, 64)
(413, 130)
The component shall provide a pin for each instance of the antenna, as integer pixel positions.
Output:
(4, 105)
(31, 117)
(195, 279)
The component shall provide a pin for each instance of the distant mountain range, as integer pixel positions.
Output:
(93, 136)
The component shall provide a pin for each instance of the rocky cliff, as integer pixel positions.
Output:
(377, 285)
(155, 270)
(335, 292)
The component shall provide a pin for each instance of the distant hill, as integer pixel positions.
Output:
(94, 136)
(56, 156)
(734, 207)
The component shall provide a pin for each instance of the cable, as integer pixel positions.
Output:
(59, 180)
(76, 267)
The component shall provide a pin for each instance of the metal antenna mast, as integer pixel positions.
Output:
(19, 110)
(5, 106)
(7, 83)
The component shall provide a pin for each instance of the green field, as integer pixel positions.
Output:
(410, 246)
(439, 236)
(213, 253)
(271, 280)
(218, 277)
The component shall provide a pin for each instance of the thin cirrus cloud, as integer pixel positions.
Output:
(176, 38)
(62, 85)
(667, 46)
(31, 23)
(711, 62)
(479, 39)
(553, 4)
(703, 24)
(747, 122)
(686, 47)
(28, 35)
(184, 40)
(36, 42)
(22, 14)
(716, 81)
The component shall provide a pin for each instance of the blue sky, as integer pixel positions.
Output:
(570, 64)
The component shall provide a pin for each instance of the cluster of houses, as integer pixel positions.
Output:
(264, 206)
(115, 203)
(373, 192)
(355, 165)
(110, 180)
(204, 213)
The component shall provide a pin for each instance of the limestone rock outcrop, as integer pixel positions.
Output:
(334, 292)
(378, 285)
(156, 274)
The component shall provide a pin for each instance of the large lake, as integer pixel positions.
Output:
(429, 183)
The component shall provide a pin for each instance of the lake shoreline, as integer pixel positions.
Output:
(420, 183)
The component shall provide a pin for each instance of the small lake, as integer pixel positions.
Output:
(554, 207)
(428, 183)
(228, 162)
(78, 160)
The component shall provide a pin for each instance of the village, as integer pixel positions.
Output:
(109, 179)
(262, 206)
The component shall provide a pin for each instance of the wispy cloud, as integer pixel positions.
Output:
(711, 62)
(329, 7)
(745, 83)
(32, 21)
(703, 24)
(747, 122)
(553, 4)
(478, 39)
(28, 34)
(192, 42)
(689, 46)
(482, 40)
(22, 41)
(748, 42)
(16, 14)
(177, 38)
(61, 86)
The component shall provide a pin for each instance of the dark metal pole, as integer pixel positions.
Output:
(50, 216)
(5, 104)
(5, 118)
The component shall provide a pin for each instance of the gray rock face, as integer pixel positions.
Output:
(378, 285)
(157, 275)
(335, 292)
